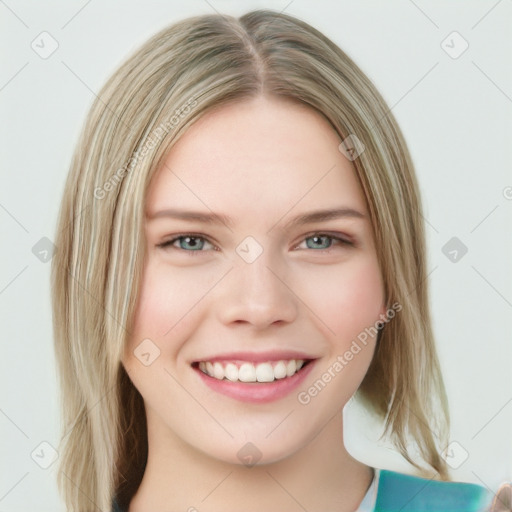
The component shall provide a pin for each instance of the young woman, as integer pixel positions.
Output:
(240, 250)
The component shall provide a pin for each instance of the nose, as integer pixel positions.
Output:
(258, 294)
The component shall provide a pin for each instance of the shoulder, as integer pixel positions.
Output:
(407, 493)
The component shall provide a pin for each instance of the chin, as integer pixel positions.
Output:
(258, 452)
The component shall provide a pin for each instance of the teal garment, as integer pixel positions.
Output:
(405, 493)
(397, 492)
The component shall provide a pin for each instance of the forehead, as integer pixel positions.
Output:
(255, 157)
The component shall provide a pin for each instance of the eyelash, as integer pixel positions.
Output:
(168, 244)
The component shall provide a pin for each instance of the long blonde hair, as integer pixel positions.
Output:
(184, 71)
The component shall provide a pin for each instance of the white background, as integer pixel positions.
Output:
(456, 115)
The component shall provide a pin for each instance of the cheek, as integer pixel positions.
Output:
(348, 302)
(167, 297)
(165, 309)
(347, 299)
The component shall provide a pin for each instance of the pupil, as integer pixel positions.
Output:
(318, 240)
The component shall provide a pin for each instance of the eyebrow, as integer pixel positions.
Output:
(217, 218)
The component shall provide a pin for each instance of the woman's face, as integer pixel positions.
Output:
(256, 284)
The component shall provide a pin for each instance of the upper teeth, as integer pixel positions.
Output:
(249, 372)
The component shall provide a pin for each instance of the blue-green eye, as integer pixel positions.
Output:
(318, 237)
(324, 242)
(195, 243)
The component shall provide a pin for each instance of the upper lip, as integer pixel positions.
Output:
(258, 357)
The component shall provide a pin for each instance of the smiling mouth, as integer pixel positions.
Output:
(243, 371)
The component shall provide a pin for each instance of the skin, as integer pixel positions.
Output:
(261, 161)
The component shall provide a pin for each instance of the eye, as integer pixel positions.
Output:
(193, 243)
(324, 241)
(186, 242)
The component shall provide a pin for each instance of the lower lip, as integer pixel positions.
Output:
(257, 392)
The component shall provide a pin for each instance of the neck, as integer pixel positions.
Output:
(319, 476)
